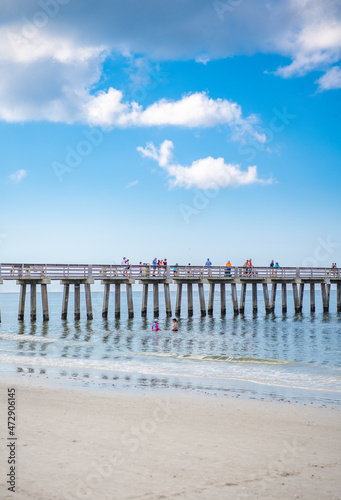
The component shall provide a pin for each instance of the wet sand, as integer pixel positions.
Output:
(84, 444)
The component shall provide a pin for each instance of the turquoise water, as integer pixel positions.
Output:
(293, 357)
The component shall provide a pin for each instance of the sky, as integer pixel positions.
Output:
(177, 129)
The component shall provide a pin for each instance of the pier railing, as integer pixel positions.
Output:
(100, 272)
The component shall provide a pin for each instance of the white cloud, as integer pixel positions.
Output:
(205, 173)
(131, 184)
(330, 80)
(17, 176)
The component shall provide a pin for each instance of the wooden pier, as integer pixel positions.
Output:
(162, 276)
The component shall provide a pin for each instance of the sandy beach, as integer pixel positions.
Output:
(79, 443)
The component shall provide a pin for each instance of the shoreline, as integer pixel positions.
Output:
(76, 443)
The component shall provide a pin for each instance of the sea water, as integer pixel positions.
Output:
(292, 357)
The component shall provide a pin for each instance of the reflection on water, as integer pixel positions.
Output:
(211, 347)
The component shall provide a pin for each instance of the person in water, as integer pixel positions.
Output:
(155, 326)
(175, 325)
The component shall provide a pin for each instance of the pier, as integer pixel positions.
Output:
(161, 277)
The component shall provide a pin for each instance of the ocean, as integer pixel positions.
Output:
(291, 357)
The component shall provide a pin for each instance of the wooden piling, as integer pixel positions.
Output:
(22, 300)
(266, 298)
(130, 300)
(156, 299)
(202, 299)
(45, 303)
(254, 298)
(296, 297)
(284, 298)
(178, 299)
(77, 301)
(117, 300)
(168, 303)
(190, 299)
(223, 299)
(106, 300)
(65, 300)
(144, 299)
(301, 296)
(312, 297)
(33, 301)
(234, 298)
(242, 298)
(88, 301)
(273, 296)
(210, 299)
(325, 298)
(338, 297)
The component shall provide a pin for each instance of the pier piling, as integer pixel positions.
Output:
(273, 297)
(77, 301)
(202, 299)
(144, 300)
(190, 299)
(210, 299)
(338, 297)
(234, 298)
(45, 303)
(130, 300)
(22, 300)
(65, 300)
(117, 300)
(254, 298)
(88, 301)
(106, 300)
(156, 299)
(167, 300)
(223, 299)
(296, 297)
(242, 298)
(284, 298)
(266, 298)
(33, 301)
(178, 299)
(312, 297)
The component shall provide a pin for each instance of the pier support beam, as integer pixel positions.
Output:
(234, 298)
(325, 298)
(144, 299)
(211, 299)
(284, 298)
(156, 299)
(254, 298)
(273, 296)
(338, 297)
(168, 300)
(22, 300)
(178, 299)
(45, 303)
(202, 299)
(65, 300)
(77, 301)
(223, 299)
(33, 301)
(88, 301)
(130, 300)
(266, 298)
(117, 300)
(296, 297)
(190, 299)
(242, 298)
(312, 297)
(301, 296)
(106, 300)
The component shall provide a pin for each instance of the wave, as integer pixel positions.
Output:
(226, 358)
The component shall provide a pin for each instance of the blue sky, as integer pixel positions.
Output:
(184, 130)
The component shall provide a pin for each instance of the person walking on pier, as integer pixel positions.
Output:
(272, 265)
(208, 264)
(154, 265)
(228, 268)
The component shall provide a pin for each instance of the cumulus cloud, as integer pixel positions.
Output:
(51, 58)
(205, 173)
(330, 80)
(17, 176)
